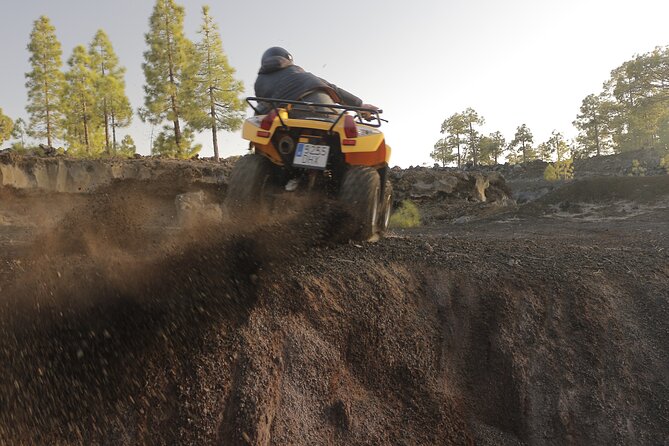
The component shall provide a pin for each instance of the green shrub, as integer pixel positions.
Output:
(565, 169)
(559, 170)
(637, 169)
(664, 162)
(19, 148)
(406, 216)
(550, 174)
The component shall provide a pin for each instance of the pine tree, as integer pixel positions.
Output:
(19, 132)
(594, 125)
(491, 148)
(455, 129)
(81, 123)
(169, 75)
(559, 146)
(498, 145)
(6, 127)
(127, 148)
(512, 156)
(44, 81)
(545, 151)
(641, 88)
(562, 168)
(471, 118)
(216, 90)
(522, 140)
(443, 152)
(113, 107)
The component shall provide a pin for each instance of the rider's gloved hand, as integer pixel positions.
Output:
(365, 114)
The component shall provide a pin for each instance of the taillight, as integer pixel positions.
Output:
(268, 120)
(350, 129)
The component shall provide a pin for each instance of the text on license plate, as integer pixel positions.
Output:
(311, 155)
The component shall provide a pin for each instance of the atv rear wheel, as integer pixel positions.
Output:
(250, 183)
(360, 191)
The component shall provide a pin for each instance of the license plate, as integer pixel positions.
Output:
(311, 155)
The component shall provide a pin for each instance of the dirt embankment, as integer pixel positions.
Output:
(67, 175)
(450, 196)
(119, 327)
(528, 183)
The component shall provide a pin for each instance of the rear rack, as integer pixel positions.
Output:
(275, 104)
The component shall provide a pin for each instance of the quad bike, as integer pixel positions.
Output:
(302, 146)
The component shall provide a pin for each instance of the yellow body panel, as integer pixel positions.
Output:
(386, 158)
(369, 148)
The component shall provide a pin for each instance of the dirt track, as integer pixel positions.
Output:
(547, 324)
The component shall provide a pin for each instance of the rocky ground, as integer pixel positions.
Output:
(494, 323)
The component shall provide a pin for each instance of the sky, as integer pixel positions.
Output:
(513, 61)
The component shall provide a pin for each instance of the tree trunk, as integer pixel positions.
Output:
(48, 114)
(105, 109)
(85, 121)
(597, 149)
(459, 159)
(173, 99)
(177, 135)
(106, 113)
(524, 153)
(175, 110)
(113, 127)
(473, 144)
(212, 100)
(213, 124)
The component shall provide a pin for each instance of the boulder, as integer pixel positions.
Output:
(422, 183)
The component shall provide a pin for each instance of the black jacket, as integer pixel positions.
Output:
(278, 78)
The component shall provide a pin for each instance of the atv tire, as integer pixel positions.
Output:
(360, 192)
(249, 185)
(386, 208)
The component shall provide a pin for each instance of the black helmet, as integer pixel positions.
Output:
(276, 51)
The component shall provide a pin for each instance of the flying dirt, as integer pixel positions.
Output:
(132, 313)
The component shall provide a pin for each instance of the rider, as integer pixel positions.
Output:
(279, 78)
